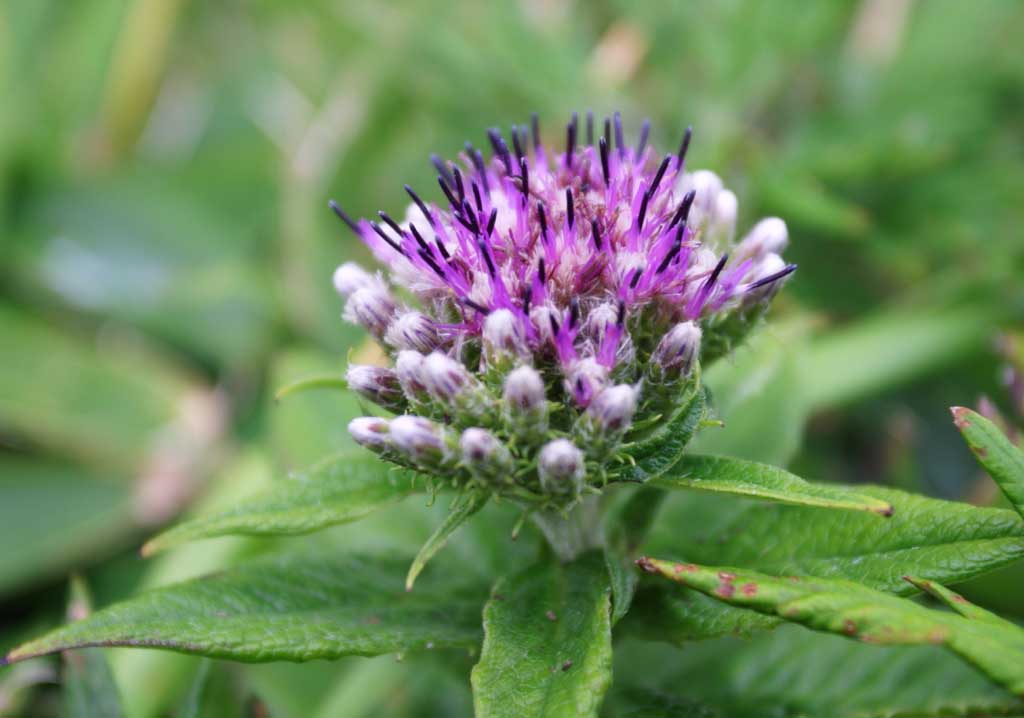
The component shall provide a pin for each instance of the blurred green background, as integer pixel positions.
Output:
(167, 253)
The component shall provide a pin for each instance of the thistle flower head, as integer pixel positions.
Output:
(546, 280)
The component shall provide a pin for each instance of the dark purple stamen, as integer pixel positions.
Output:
(645, 130)
(419, 237)
(458, 183)
(608, 131)
(603, 147)
(595, 235)
(570, 140)
(685, 145)
(470, 215)
(785, 271)
(343, 216)
(391, 223)
(683, 213)
(620, 317)
(517, 146)
(487, 257)
(541, 273)
(535, 130)
(677, 244)
(500, 148)
(420, 204)
(620, 145)
(661, 173)
(554, 324)
(570, 216)
(441, 249)
(525, 175)
(473, 305)
(543, 218)
(718, 270)
(476, 198)
(442, 169)
(425, 256)
(491, 220)
(643, 211)
(636, 278)
(590, 128)
(380, 233)
(478, 163)
(574, 312)
(447, 192)
(527, 299)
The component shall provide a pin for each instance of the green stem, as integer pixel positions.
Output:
(572, 533)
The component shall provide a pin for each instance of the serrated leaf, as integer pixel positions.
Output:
(658, 451)
(294, 606)
(1003, 461)
(857, 611)
(463, 507)
(337, 490)
(547, 645)
(748, 478)
(944, 541)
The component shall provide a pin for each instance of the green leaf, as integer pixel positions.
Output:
(748, 478)
(945, 541)
(547, 646)
(294, 606)
(88, 683)
(337, 490)
(659, 450)
(796, 673)
(1001, 459)
(851, 609)
(463, 507)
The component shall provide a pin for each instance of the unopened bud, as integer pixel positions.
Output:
(560, 467)
(410, 372)
(766, 279)
(371, 432)
(412, 330)
(379, 385)
(525, 403)
(769, 236)
(419, 439)
(707, 186)
(484, 455)
(677, 350)
(445, 378)
(371, 308)
(584, 379)
(613, 408)
(350, 277)
(503, 336)
(723, 222)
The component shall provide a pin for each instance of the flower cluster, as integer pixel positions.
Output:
(563, 302)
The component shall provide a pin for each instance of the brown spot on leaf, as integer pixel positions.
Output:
(749, 589)
(646, 564)
(849, 627)
(960, 416)
(550, 615)
(725, 589)
(959, 599)
(567, 665)
(726, 576)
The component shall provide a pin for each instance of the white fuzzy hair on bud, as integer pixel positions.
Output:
(503, 335)
(371, 308)
(524, 389)
(420, 439)
(412, 330)
(678, 349)
(484, 454)
(584, 379)
(561, 468)
(445, 378)
(769, 236)
(707, 186)
(723, 226)
(378, 384)
(409, 368)
(613, 408)
(370, 431)
(350, 277)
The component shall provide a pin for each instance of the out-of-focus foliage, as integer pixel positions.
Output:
(167, 252)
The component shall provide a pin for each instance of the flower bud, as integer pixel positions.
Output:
(419, 439)
(761, 286)
(445, 378)
(484, 455)
(413, 330)
(410, 372)
(350, 277)
(379, 385)
(503, 336)
(707, 186)
(371, 432)
(723, 223)
(677, 350)
(613, 408)
(560, 467)
(769, 236)
(371, 308)
(584, 378)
